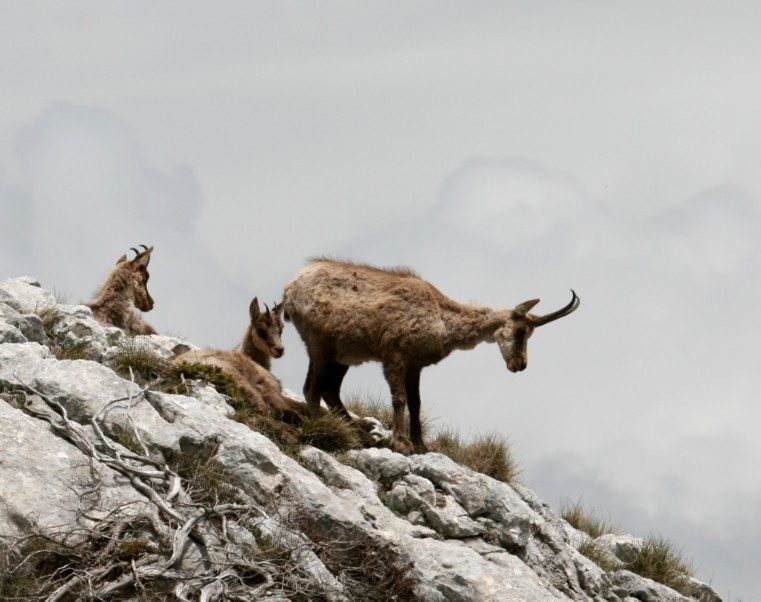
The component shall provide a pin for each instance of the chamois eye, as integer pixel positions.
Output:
(262, 332)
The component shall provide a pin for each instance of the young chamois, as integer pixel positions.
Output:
(349, 313)
(249, 363)
(125, 288)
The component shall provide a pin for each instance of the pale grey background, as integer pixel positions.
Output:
(504, 150)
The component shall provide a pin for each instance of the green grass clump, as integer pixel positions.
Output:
(175, 377)
(135, 360)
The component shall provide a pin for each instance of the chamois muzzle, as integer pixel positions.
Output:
(516, 364)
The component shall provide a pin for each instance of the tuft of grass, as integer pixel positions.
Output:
(658, 559)
(661, 561)
(76, 351)
(174, 381)
(146, 366)
(488, 454)
(599, 555)
(383, 411)
(588, 521)
(330, 432)
(48, 316)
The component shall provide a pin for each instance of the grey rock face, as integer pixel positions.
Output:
(457, 535)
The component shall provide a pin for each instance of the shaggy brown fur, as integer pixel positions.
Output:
(125, 288)
(349, 313)
(249, 363)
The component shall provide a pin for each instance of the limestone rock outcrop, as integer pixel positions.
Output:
(86, 452)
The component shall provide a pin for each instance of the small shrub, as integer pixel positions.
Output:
(370, 571)
(588, 522)
(660, 561)
(206, 482)
(488, 454)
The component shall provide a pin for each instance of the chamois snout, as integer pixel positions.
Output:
(278, 350)
(515, 364)
(144, 303)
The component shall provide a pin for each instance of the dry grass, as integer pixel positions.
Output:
(590, 522)
(600, 555)
(330, 432)
(370, 570)
(661, 561)
(488, 454)
(658, 559)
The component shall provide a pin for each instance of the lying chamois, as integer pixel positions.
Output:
(125, 288)
(349, 313)
(249, 363)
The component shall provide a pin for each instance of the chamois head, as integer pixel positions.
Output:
(513, 337)
(265, 329)
(137, 270)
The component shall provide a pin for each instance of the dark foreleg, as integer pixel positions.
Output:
(331, 387)
(412, 387)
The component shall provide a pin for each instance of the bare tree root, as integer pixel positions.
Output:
(167, 547)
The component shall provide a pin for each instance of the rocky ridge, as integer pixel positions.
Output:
(89, 457)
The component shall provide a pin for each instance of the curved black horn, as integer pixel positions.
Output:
(570, 308)
(144, 247)
(135, 250)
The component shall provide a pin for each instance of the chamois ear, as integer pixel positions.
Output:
(521, 310)
(144, 258)
(253, 309)
(122, 259)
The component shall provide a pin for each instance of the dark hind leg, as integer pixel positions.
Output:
(331, 387)
(312, 391)
(412, 386)
(331, 393)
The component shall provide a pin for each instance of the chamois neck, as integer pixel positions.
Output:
(468, 325)
(248, 349)
(118, 286)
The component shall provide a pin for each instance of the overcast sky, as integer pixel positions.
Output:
(505, 151)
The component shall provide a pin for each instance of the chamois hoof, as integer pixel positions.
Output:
(401, 445)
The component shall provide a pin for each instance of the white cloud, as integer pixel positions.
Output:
(91, 195)
(504, 151)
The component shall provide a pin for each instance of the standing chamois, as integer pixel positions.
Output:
(125, 288)
(350, 313)
(249, 363)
